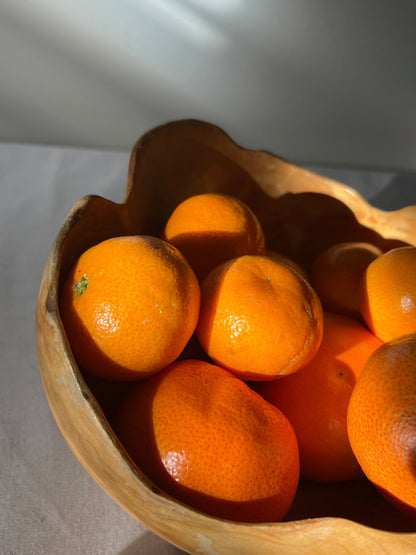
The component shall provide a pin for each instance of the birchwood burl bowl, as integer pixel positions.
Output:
(302, 213)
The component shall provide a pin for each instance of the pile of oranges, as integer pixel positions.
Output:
(245, 372)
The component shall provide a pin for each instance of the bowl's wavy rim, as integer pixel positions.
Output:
(292, 177)
(211, 529)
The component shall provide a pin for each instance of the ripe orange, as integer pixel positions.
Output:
(388, 293)
(382, 420)
(259, 318)
(211, 228)
(288, 261)
(315, 399)
(336, 274)
(129, 307)
(204, 437)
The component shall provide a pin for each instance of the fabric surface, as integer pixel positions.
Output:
(48, 502)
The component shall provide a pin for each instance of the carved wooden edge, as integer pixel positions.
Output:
(276, 176)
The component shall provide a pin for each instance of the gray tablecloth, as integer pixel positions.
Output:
(48, 503)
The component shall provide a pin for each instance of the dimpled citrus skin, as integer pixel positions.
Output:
(259, 318)
(203, 436)
(129, 307)
(388, 294)
(211, 228)
(315, 399)
(336, 274)
(382, 420)
(288, 261)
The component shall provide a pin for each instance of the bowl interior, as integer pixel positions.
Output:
(301, 212)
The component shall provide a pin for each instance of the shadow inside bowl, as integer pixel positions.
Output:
(356, 500)
(300, 226)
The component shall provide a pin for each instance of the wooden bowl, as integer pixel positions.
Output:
(302, 213)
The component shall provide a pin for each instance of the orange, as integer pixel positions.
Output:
(211, 228)
(382, 420)
(204, 437)
(129, 307)
(259, 318)
(315, 399)
(388, 293)
(336, 274)
(288, 261)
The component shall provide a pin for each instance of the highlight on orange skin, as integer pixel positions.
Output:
(315, 399)
(204, 437)
(259, 318)
(211, 228)
(387, 294)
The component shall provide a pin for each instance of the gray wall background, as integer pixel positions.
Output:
(315, 81)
